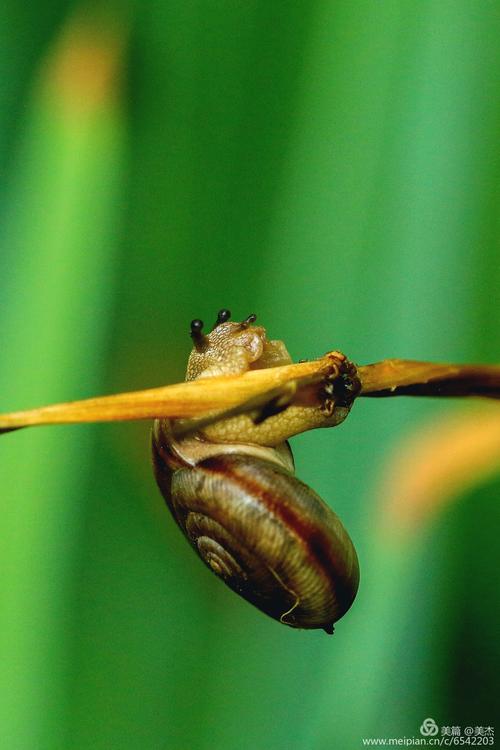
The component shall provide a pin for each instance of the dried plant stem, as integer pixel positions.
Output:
(181, 400)
(403, 377)
(392, 377)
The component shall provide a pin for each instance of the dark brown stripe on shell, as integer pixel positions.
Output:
(316, 542)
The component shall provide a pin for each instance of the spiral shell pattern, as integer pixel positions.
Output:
(266, 534)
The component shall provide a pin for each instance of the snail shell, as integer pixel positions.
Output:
(265, 533)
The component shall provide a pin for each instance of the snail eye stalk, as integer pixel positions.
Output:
(199, 338)
(222, 317)
(248, 321)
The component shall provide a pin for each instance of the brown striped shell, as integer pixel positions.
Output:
(265, 533)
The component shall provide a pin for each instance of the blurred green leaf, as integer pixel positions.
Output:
(57, 274)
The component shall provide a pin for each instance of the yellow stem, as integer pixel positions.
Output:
(392, 377)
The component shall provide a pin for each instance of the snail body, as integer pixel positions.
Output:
(231, 489)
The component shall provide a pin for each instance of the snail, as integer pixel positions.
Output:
(231, 488)
(228, 476)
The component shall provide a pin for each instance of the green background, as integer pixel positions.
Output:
(332, 166)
